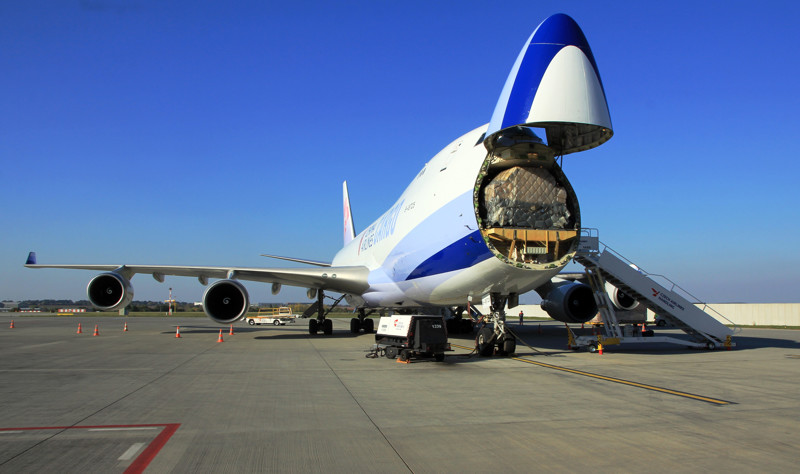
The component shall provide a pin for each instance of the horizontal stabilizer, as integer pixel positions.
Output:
(555, 85)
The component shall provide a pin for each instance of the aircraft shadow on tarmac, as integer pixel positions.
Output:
(550, 337)
(270, 332)
(305, 334)
(546, 340)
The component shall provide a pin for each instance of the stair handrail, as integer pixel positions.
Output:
(593, 232)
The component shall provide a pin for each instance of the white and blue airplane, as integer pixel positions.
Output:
(490, 217)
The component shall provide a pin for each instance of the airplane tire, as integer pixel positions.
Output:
(509, 345)
(368, 325)
(355, 325)
(327, 327)
(312, 326)
(485, 342)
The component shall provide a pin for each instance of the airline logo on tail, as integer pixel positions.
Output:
(349, 228)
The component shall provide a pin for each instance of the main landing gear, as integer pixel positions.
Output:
(496, 340)
(362, 322)
(321, 322)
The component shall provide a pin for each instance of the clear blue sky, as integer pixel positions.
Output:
(142, 131)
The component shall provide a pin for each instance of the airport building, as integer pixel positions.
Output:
(741, 314)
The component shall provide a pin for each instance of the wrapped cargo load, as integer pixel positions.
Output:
(527, 210)
(527, 197)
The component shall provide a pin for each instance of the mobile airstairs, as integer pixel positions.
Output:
(704, 330)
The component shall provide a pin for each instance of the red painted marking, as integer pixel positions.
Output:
(143, 459)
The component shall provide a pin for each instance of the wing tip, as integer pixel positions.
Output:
(31, 258)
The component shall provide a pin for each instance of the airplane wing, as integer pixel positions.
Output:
(351, 280)
(573, 276)
(299, 260)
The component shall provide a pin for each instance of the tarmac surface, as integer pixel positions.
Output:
(275, 399)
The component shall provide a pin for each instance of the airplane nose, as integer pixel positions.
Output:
(561, 29)
(555, 84)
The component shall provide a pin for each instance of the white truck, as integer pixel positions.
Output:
(275, 316)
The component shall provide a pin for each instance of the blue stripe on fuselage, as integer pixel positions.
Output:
(459, 255)
(432, 246)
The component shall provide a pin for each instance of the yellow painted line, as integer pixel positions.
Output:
(620, 381)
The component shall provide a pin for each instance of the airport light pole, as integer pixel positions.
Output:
(169, 303)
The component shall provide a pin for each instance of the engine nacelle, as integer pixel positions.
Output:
(622, 301)
(226, 301)
(570, 302)
(109, 291)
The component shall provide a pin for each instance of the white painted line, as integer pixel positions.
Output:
(127, 455)
(10, 432)
(133, 428)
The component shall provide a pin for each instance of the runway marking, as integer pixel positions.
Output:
(78, 369)
(142, 460)
(42, 344)
(124, 429)
(127, 455)
(678, 393)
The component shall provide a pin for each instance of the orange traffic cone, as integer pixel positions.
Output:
(12, 324)
(178, 332)
(600, 348)
(644, 328)
(126, 327)
(96, 332)
(79, 329)
(220, 336)
(230, 333)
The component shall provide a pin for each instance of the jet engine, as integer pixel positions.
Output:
(622, 301)
(226, 301)
(570, 302)
(109, 291)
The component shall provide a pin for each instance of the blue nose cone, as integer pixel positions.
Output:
(561, 30)
(555, 84)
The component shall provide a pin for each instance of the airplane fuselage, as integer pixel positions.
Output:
(431, 247)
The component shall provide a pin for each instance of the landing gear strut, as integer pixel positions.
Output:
(497, 339)
(314, 325)
(321, 322)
